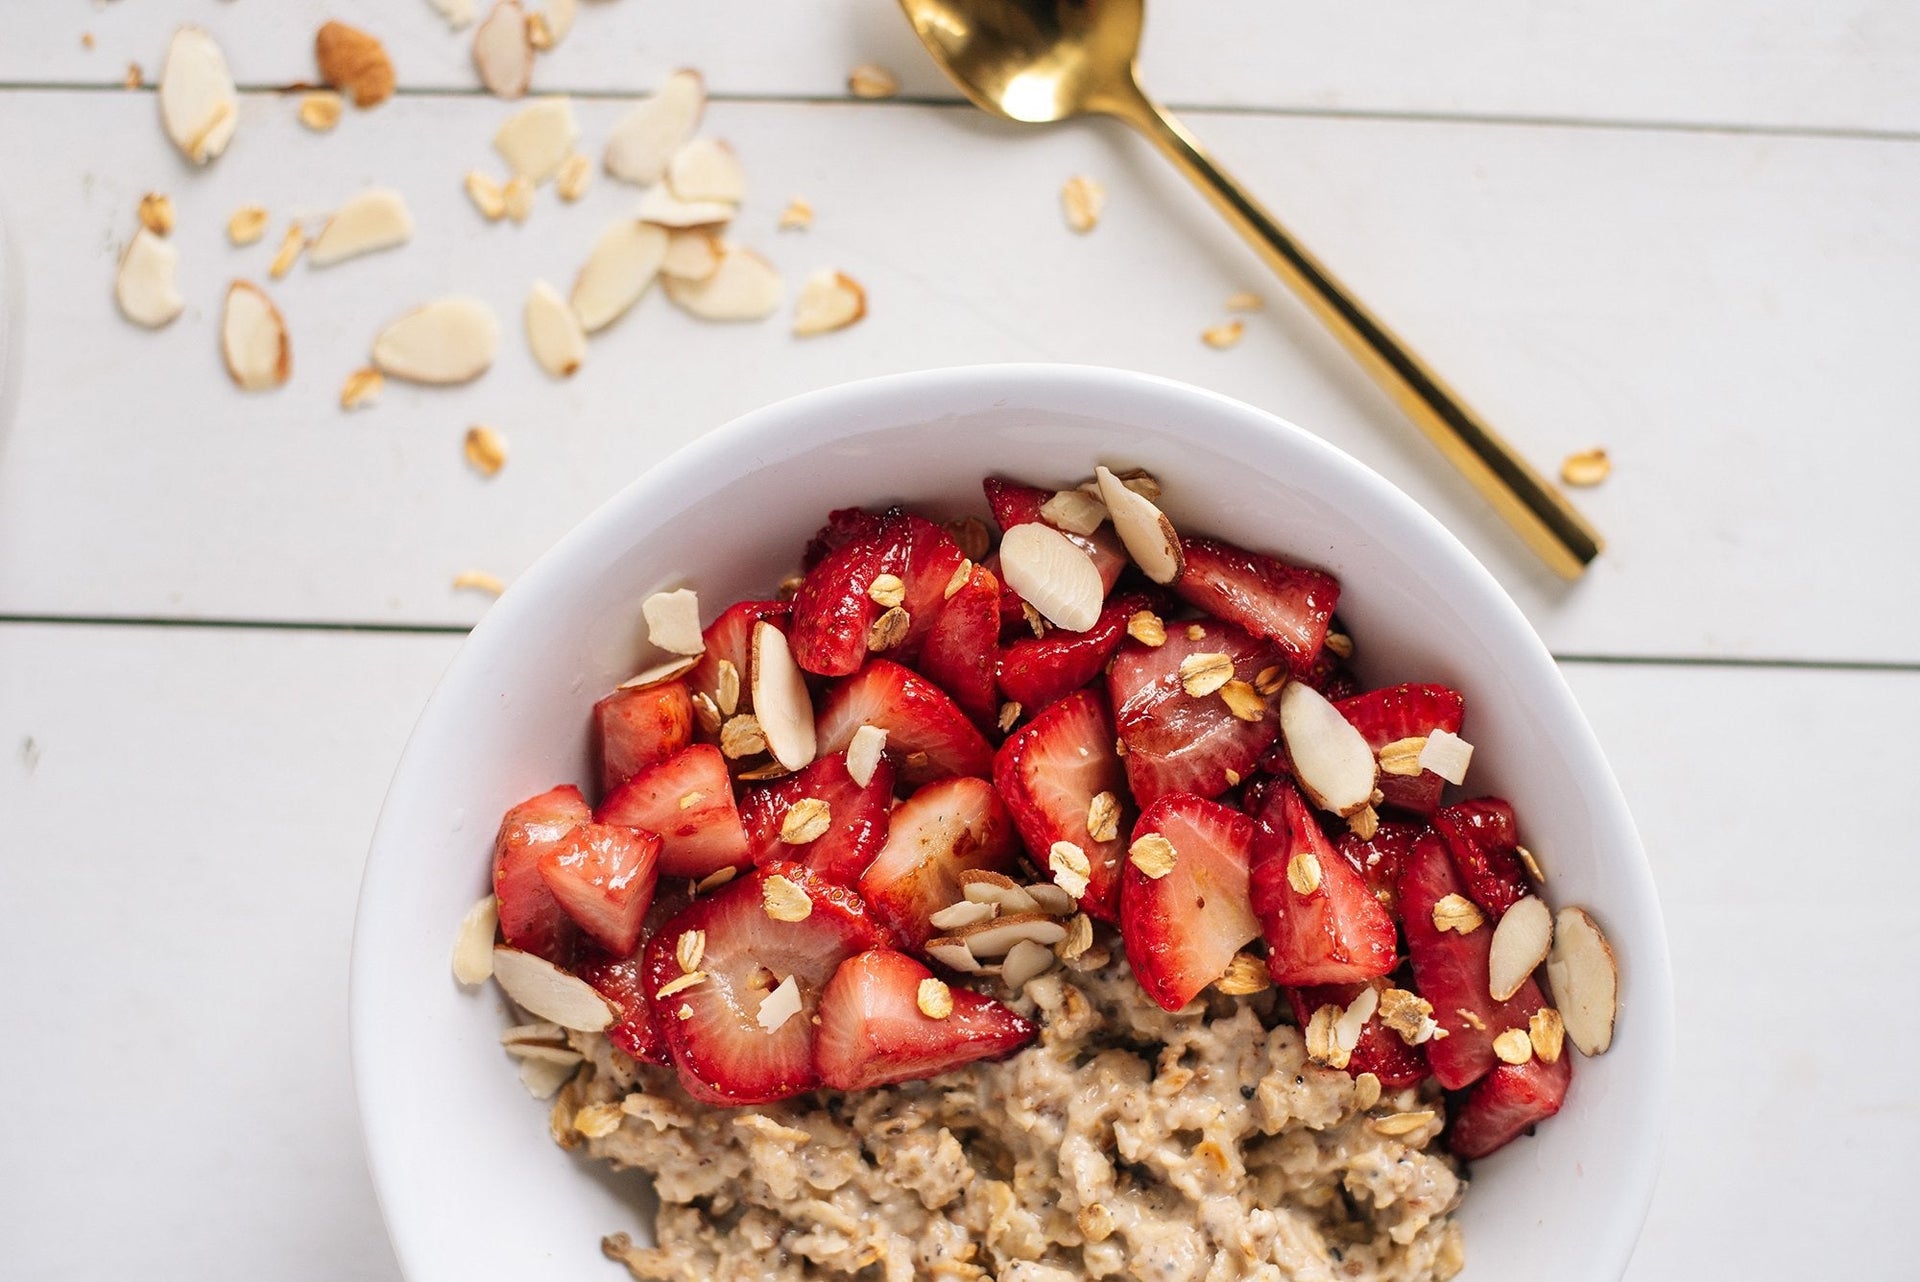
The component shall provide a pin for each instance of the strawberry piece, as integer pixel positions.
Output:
(832, 611)
(856, 817)
(962, 645)
(730, 637)
(722, 1052)
(621, 982)
(1177, 742)
(1289, 605)
(636, 728)
(872, 1030)
(1182, 929)
(603, 876)
(1049, 771)
(1331, 676)
(1036, 671)
(531, 919)
(1336, 933)
(1015, 504)
(1506, 1103)
(843, 525)
(939, 832)
(688, 800)
(927, 734)
(1484, 840)
(1405, 712)
(1380, 859)
(1380, 1050)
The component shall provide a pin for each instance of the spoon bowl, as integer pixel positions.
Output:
(1033, 62)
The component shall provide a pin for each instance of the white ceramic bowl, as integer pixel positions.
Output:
(471, 1185)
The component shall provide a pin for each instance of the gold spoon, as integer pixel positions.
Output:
(1038, 61)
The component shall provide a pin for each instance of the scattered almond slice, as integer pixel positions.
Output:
(1331, 760)
(693, 253)
(666, 671)
(458, 13)
(780, 698)
(485, 450)
(953, 954)
(980, 886)
(502, 54)
(743, 287)
(661, 207)
(355, 62)
(960, 915)
(373, 220)
(623, 263)
(1353, 1020)
(540, 988)
(1051, 899)
(247, 224)
(543, 1078)
(473, 946)
(574, 176)
(797, 216)
(1224, 335)
(484, 191)
(156, 213)
(554, 332)
(536, 140)
(253, 339)
(870, 81)
(198, 105)
(362, 388)
(643, 141)
(479, 581)
(516, 198)
(829, 300)
(145, 287)
(996, 937)
(1074, 511)
(1520, 944)
(1082, 199)
(1245, 301)
(1585, 980)
(320, 110)
(1144, 529)
(1026, 961)
(863, 753)
(559, 15)
(1054, 575)
(673, 621)
(780, 1005)
(1585, 468)
(1447, 755)
(291, 246)
(450, 340)
(706, 169)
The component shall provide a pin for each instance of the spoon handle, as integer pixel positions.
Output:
(1528, 502)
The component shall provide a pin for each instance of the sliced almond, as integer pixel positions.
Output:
(1224, 335)
(516, 199)
(198, 105)
(484, 191)
(1025, 962)
(1331, 759)
(544, 1077)
(537, 139)
(706, 169)
(1585, 980)
(320, 110)
(661, 672)
(1458, 914)
(995, 937)
(156, 213)
(1520, 944)
(978, 885)
(960, 915)
(953, 954)
(1051, 900)
(643, 141)
(693, 253)
(253, 339)
(145, 286)
(1081, 200)
(1586, 467)
(1144, 529)
(291, 246)
(780, 1005)
(362, 388)
(806, 821)
(863, 753)
(573, 177)
(1204, 672)
(744, 287)
(373, 220)
(870, 81)
(559, 15)
(1074, 511)
(829, 300)
(502, 53)
(1079, 938)
(1353, 1020)
(624, 261)
(1153, 855)
(473, 946)
(450, 340)
(673, 621)
(355, 62)
(247, 224)
(780, 698)
(554, 332)
(797, 216)
(1053, 574)
(540, 988)
(662, 208)
(457, 13)
(1447, 755)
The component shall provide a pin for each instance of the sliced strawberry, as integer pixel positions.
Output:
(843, 526)
(939, 832)
(1484, 840)
(856, 817)
(1177, 742)
(620, 981)
(1380, 1050)
(927, 734)
(603, 875)
(962, 645)
(1406, 712)
(634, 729)
(1289, 605)
(1380, 858)
(1335, 933)
(723, 1053)
(1049, 771)
(1015, 504)
(531, 919)
(688, 800)
(833, 609)
(1506, 1103)
(1183, 928)
(873, 1031)
(1331, 676)
(730, 637)
(1035, 671)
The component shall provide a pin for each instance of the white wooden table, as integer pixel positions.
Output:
(1689, 237)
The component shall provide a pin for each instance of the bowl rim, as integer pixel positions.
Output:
(688, 470)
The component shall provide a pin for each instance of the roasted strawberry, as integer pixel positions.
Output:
(1184, 911)
(1399, 712)
(603, 875)
(855, 818)
(1052, 773)
(531, 919)
(717, 1027)
(875, 1025)
(1178, 742)
(636, 728)
(1506, 1103)
(1380, 1050)
(1379, 858)
(620, 981)
(1015, 504)
(1321, 922)
(729, 640)
(938, 833)
(1289, 605)
(1484, 840)
(688, 801)
(927, 734)
(835, 610)
(1036, 671)
(961, 646)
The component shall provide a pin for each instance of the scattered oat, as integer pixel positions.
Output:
(253, 339)
(156, 213)
(354, 61)
(741, 737)
(889, 630)
(726, 688)
(797, 216)
(362, 389)
(1303, 872)
(486, 449)
(784, 900)
(681, 983)
(516, 198)
(1009, 715)
(1402, 756)
(574, 177)
(479, 581)
(502, 54)
(1403, 1123)
(288, 254)
(887, 590)
(1145, 627)
(1514, 1046)
(1103, 817)
(934, 999)
(1408, 1014)
(1070, 867)
(1203, 673)
(1224, 335)
(1586, 467)
(1195, 632)
(1245, 974)
(1366, 1091)
(484, 191)
(598, 1120)
(970, 532)
(1079, 937)
(1153, 855)
(1546, 1033)
(870, 81)
(1243, 701)
(144, 287)
(1268, 681)
(198, 104)
(473, 946)
(807, 820)
(1323, 1046)
(1456, 913)
(1364, 822)
(828, 300)
(715, 879)
(962, 573)
(708, 712)
(1082, 199)
(320, 110)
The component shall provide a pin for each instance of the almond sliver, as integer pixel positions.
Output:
(673, 621)
(1053, 575)
(662, 208)
(1331, 759)
(829, 300)
(624, 261)
(253, 339)
(542, 989)
(780, 699)
(1585, 980)
(375, 219)
(1144, 529)
(473, 946)
(502, 52)
(644, 140)
(145, 287)
(706, 169)
(535, 140)
(554, 332)
(744, 287)
(1520, 944)
(198, 105)
(450, 340)
(693, 253)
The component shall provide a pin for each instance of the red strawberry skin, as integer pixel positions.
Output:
(1484, 839)
(963, 644)
(688, 801)
(872, 1030)
(730, 637)
(832, 611)
(1508, 1101)
(1015, 504)
(1338, 933)
(634, 729)
(720, 1050)
(1404, 712)
(1181, 930)
(531, 919)
(1379, 1051)
(603, 875)
(857, 817)
(928, 736)
(619, 980)
(843, 525)
(1048, 773)
(1036, 671)
(1381, 858)
(946, 828)
(1289, 605)
(1177, 742)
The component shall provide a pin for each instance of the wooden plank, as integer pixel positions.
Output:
(1825, 64)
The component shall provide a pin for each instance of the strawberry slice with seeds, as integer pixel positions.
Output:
(1331, 676)
(1036, 671)
(1506, 1104)
(603, 876)
(1380, 1050)
(928, 736)
(636, 728)
(531, 919)
(1015, 504)
(1380, 858)
(1399, 712)
(722, 1048)
(938, 833)
(620, 981)
(856, 818)
(1321, 921)
(688, 800)
(835, 608)
(1050, 772)
(1484, 839)
(1289, 605)
(1178, 742)
(1182, 928)
(843, 526)
(961, 646)
(875, 1029)
(729, 638)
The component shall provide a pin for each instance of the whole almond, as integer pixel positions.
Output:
(354, 62)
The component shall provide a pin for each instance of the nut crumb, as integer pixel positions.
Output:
(288, 254)
(935, 999)
(156, 213)
(1224, 335)
(247, 224)
(486, 450)
(1245, 301)
(1082, 199)
(320, 110)
(797, 216)
(485, 193)
(1586, 467)
(1009, 715)
(689, 949)
(362, 388)
(574, 177)
(479, 581)
(871, 82)
(516, 198)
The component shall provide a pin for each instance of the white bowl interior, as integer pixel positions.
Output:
(470, 1183)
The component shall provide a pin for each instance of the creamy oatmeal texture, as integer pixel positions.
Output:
(1127, 1143)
